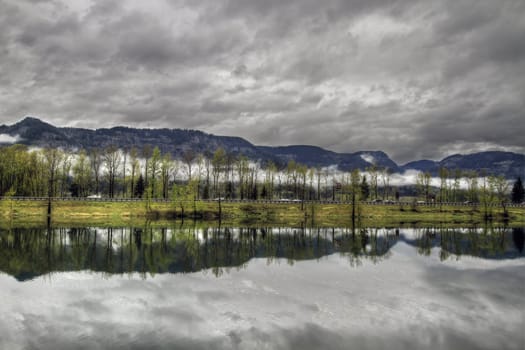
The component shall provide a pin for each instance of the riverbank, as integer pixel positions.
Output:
(290, 213)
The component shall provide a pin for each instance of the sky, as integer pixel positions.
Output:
(416, 79)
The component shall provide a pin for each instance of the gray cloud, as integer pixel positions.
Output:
(416, 80)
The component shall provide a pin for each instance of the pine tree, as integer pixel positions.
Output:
(264, 192)
(139, 188)
(365, 189)
(518, 193)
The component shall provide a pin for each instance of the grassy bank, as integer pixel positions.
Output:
(123, 213)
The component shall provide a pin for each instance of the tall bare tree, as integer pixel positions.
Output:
(443, 188)
(53, 158)
(64, 173)
(423, 184)
(112, 161)
(385, 179)
(146, 154)
(374, 174)
(188, 157)
(154, 169)
(166, 169)
(501, 186)
(472, 185)
(219, 164)
(124, 168)
(355, 188)
(95, 157)
(242, 172)
(81, 174)
(135, 168)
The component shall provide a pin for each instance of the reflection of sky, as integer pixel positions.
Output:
(410, 302)
(120, 236)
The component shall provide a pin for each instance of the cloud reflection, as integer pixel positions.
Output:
(411, 301)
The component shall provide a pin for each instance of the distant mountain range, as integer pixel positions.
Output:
(34, 132)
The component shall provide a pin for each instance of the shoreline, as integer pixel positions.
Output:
(289, 213)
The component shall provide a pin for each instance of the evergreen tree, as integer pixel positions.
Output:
(365, 189)
(229, 189)
(264, 192)
(139, 188)
(74, 189)
(206, 191)
(518, 193)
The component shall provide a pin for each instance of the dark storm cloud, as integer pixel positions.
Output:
(415, 79)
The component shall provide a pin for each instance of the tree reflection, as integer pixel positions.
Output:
(518, 237)
(26, 253)
(486, 242)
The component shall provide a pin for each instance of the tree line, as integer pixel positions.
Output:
(149, 173)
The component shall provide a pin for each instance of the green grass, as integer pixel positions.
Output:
(124, 213)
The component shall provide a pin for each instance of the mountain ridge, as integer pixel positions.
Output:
(35, 132)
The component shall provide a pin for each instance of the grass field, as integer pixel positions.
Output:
(122, 213)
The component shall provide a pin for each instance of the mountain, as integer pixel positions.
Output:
(424, 165)
(35, 132)
(316, 156)
(509, 164)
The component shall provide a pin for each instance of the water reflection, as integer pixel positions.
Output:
(27, 253)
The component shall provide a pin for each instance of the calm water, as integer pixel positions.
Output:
(257, 288)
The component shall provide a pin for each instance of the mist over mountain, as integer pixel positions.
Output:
(34, 132)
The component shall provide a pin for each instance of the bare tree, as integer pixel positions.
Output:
(124, 165)
(443, 188)
(318, 174)
(423, 184)
(81, 174)
(385, 179)
(146, 154)
(52, 160)
(207, 167)
(135, 168)
(200, 167)
(242, 171)
(374, 172)
(501, 185)
(95, 158)
(355, 188)
(64, 173)
(456, 185)
(166, 169)
(218, 163)
(154, 168)
(112, 161)
(472, 185)
(188, 157)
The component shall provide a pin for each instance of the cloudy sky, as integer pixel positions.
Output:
(417, 79)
